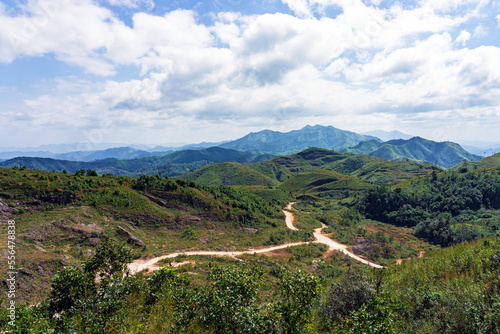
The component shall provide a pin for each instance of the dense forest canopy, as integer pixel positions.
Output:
(443, 208)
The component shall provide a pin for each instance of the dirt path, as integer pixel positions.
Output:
(152, 264)
(289, 218)
(321, 238)
(140, 264)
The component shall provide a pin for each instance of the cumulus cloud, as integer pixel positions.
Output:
(463, 37)
(37, 32)
(245, 68)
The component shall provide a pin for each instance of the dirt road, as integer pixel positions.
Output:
(140, 264)
(323, 239)
(152, 264)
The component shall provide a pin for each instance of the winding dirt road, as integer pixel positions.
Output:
(323, 239)
(152, 264)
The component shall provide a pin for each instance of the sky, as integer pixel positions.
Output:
(182, 71)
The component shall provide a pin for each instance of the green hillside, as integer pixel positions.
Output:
(71, 268)
(488, 162)
(229, 173)
(365, 147)
(453, 290)
(444, 208)
(61, 218)
(282, 168)
(445, 154)
(325, 184)
(393, 172)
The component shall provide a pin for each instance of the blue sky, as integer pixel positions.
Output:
(157, 72)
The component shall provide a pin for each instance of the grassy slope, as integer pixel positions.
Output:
(324, 182)
(488, 162)
(451, 290)
(392, 172)
(228, 173)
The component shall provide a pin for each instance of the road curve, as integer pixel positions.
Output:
(139, 265)
(151, 264)
(323, 239)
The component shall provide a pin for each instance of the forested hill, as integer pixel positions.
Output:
(280, 169)
(443, 208)
(445, 154)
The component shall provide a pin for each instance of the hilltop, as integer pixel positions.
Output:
(488, 162)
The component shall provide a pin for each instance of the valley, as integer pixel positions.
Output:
(140, 264)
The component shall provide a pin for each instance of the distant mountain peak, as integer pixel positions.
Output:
(327, 137)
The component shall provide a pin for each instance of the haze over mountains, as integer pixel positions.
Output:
(253, 147)
(388, 135)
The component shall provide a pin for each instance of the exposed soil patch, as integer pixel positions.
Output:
(58, 197)
(5, 210)
(364, 246)
(132, 239)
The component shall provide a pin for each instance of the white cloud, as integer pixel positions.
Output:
(463, 37)
(37, 32)
(480, 31)
(301, 8)
(257, 68)
(132, 3)
(498, 19)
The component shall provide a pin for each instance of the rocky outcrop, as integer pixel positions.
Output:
(132, 239)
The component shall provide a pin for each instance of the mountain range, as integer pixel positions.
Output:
(254, 147)
(172, 164)
(295, 141)
(445, 154)
(388, 135)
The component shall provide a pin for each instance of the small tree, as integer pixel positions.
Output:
(95, 293)
(349, 295)
(298, 293)
(80, 172)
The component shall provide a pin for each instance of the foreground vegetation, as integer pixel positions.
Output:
(455, 290)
